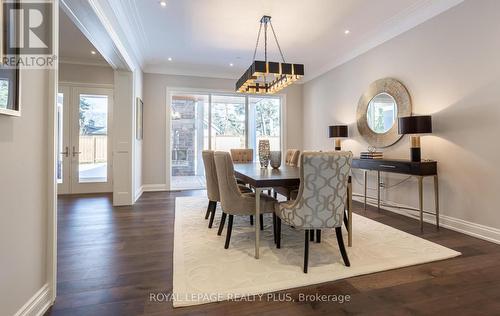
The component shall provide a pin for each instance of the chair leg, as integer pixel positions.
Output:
(261, 221)
(318, 235)
(229, 229)
(208, 209)
(306, 250)
(221, 225)
(311, 234)
(269, 192)
(212, 213)
(346, 220)
(251, 220)
(275, 195)
(278, 232)
(274, 227)
(338, 230)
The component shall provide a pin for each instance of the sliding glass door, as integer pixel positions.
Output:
(217, 121)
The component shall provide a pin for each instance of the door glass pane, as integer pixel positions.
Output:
(228, 122)
(59, 171)
(93, 138)
(189, 136)
(266, 120)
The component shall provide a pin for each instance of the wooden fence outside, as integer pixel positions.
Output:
(94, 149)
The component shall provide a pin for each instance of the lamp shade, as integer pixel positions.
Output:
(337, 131)
(421, 124)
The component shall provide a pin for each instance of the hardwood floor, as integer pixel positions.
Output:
(111, 258)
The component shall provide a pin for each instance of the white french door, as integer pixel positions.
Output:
(84, 140)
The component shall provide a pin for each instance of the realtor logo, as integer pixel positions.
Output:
(27, 35)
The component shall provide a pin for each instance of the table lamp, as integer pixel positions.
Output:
(415, 126)
(337, 132)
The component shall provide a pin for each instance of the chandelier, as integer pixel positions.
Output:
(267, 77)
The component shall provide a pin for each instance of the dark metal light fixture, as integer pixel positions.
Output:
(266, 77)
(337, 132)
(415, 125)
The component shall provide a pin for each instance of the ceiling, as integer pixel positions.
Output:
(74, 47)
(203, 38)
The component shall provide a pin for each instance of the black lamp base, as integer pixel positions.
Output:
(415, 155)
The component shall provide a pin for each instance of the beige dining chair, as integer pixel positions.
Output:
(244, 155)
(291, 159)
(234, 202)
(213, 185)
(321, 199)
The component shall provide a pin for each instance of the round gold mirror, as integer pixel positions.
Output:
(378, 111)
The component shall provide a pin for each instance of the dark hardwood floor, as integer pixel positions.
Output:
(111, 258)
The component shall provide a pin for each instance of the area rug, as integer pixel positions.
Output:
(205, 272)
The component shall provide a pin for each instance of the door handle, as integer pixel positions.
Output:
(66, 152)
(75, 152)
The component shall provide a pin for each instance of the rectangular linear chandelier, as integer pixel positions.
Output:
(267, 77)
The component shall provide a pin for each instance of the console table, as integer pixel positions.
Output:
(418, 169)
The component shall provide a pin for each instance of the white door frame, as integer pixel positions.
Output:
(64, 153)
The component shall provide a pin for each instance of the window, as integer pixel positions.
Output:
(218, 121)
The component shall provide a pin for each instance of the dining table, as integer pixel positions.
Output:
(262, 179)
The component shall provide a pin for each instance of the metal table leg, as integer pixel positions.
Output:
(258, 191)
(421, 201)
(365, 180)
(436, 199)
(378, 190)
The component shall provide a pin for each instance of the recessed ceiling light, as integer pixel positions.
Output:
(163, 3)
(93, 52)
(231, 65)
(347, 32)
(169, 58)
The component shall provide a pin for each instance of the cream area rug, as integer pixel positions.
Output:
(205, 272)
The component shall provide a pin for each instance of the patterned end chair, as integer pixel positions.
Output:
(321, 198)
(213, 185)
(291, 159)
(232, 200)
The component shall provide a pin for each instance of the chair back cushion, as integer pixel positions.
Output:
(228, 188)
(211, 175)
(292, 157)
(322, 193)
(242, 155)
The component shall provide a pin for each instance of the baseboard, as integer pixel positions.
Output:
(38, 304)
(469, 228)
(138, 193)
(154, 187)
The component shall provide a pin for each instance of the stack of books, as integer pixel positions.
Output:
(371, 155)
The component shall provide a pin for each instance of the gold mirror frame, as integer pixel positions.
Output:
(403, 103)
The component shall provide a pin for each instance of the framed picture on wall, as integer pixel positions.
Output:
(9, 76)
(139, 120)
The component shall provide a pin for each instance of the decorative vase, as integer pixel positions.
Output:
(264, 149)
(275, 157)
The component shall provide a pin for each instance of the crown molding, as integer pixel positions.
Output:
(394, 26)
(83, 61)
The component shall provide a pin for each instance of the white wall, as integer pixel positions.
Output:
(138, 152)
(451, 68)
(155, 131)
(88, 74)
(23, 195)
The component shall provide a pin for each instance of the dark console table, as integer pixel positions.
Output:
(418, 169)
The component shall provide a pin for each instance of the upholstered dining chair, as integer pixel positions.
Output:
(213, 185)
(291, 159)
(244, 155)
(321, 199)
(232, 200)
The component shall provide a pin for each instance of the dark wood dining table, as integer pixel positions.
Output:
(262, 179)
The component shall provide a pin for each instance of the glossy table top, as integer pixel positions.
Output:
(256, 176)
